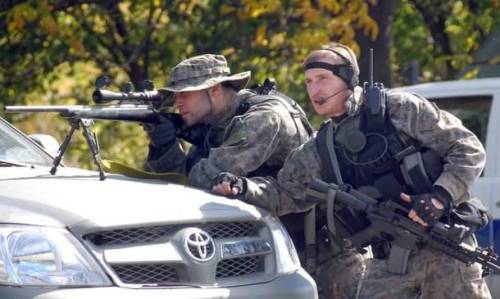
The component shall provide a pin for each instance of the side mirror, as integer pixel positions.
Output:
(48, 142)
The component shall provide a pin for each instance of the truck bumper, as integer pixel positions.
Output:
(298, 285)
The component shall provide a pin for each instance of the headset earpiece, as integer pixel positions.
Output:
(350, 78)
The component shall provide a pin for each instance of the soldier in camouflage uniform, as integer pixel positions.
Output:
(244, 136)
(247, 134)
(430, 274)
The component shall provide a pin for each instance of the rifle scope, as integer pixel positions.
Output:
(101, 96)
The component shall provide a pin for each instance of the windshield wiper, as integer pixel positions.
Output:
(6, 163)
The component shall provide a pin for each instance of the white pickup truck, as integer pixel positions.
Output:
(70, 235)
(477, 104)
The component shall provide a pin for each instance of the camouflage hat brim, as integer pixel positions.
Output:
(239, 81)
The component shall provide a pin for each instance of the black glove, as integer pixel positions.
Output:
(195, 134)
(162, 134)
(234, 181)
(425, 208)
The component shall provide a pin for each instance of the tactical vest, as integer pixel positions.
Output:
(296, 113)
(298, 225)
(257, 96)
(372, 158)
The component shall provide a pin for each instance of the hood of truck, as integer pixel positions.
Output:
(77, 198)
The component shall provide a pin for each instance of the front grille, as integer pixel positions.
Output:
(221, 230)
(131, 235)
(240, 266)
(165, 273)
(155, 234)
(146, 273)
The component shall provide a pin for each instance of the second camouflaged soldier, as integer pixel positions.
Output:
(247, 134)
(367, 143)
(339, 265)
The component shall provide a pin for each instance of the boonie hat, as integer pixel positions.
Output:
(202, 72)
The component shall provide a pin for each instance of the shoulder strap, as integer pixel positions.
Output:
(330, 169)
(296, 112)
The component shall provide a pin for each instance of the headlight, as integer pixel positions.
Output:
(45, 256)
(287, 259)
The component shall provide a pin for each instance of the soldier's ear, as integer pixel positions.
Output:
(213, 90)
(216, 91)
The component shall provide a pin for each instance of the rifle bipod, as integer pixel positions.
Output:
(90, 137)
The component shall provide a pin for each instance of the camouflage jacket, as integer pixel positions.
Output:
(412, 116)
(262, 136)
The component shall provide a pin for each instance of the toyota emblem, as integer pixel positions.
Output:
(199, 245)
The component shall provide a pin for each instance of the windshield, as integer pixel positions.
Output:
(16, 148)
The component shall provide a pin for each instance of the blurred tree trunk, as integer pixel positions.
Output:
(382, 13)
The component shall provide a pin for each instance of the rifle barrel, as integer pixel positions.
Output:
(135, 113)
(29, 109)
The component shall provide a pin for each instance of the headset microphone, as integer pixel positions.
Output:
(323, 100)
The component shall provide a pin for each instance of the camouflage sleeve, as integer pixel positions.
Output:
(463, 153)
(287, 193)
(171, 159)
(250, 140)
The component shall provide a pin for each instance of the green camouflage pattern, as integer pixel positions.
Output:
(338, 275)
(431, 274)
(413, 117)
(264, 135)
(202, 72)
(463, 153)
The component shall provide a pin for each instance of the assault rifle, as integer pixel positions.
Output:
(388, 220)
(140, 106)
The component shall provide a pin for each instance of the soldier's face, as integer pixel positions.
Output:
(194, 106)
(327, 92)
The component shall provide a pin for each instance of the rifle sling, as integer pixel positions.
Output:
(330, 169)
(332, 155)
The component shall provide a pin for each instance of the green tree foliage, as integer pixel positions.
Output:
(52, 51)
(440, 35)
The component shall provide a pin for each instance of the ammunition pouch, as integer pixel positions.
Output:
(421, 169)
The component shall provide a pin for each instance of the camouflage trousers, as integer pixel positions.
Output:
(338, 273)
(431, 274)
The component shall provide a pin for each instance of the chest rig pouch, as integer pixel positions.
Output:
(213, 137)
